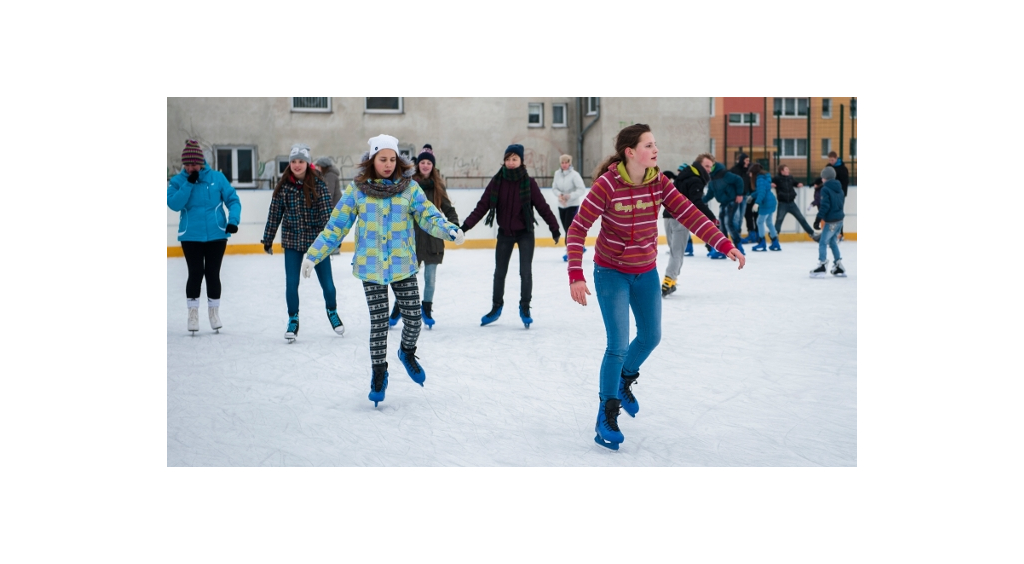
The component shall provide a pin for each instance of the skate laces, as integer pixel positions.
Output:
(611, 414)
(293, 324)
(333, 316)
(378, 379)
(629, 381)
(409, 359)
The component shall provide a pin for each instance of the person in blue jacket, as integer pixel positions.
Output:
(200, 194)
(766, 206)
(728, 188)
(831, 212)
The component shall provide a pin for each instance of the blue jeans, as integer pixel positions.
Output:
(292, 271)
(766, 218)
(617, 293)
(829, 236)
(734, 214)
(429, 277)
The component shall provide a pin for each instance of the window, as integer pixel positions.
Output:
(712, 107)
(559, 115)
(536, 118)
(793, 148)
(826, 108)
(407, 151)
(712, 150)
(826, 148)
(383, 106)
(322, 105)
(744, 119)
(237, 163)
(853, 147)
(791, 107)
(592, 104)
(853, 108)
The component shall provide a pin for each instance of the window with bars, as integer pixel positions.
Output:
(383, 105)
(791, 148)
(791, 107)
(559, 115)
(826, 108)
(311, 104)
(826, 148)
(745, 118)
(536, 115)
(238, 163)
(853, 108)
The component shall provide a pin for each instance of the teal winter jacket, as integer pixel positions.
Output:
(201, 205)
(763, 196)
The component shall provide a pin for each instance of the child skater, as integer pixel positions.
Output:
(430, 249)
(200, 194)
(568, 186)
(785, 187)
(627, 195)
(381, 203)
(766, 206)
(301, 205)
(511, 196)
(830, 210)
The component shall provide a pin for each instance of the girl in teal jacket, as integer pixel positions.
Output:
(766, 206)
(200, 194)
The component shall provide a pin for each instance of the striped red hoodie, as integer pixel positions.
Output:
(628, 239)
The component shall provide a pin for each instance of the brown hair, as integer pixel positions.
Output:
(368, 172)
(754, 170)
(440, 193)
(628, 138)
(833, 154)
(702, 156)
(308, 183)
(781, 168)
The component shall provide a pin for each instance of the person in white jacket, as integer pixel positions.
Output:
(568, 186)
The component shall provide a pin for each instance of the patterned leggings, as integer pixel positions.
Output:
(407, 294)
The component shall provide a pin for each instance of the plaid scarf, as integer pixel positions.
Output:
(517, 174)
(383, 188)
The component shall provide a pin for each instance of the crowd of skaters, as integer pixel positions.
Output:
(401, 214)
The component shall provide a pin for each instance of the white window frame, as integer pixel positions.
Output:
(367, 110)
(796, 108)
(565, 115)
(712, 106)
(744, 119)
(234, 164)
(825, 150)
(829, 114)
(712, 148)
(533, 107)
(592, 105)
(326, 110)
(796, 145)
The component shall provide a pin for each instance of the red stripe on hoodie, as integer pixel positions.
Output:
(628, 238)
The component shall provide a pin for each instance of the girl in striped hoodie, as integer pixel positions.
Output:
(627, 195)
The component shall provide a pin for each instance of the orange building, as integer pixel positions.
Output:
(798, 132)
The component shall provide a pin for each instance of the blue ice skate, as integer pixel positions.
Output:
(408, 358)
(524, 314)
(607, 427)
(626, 396)
(714, 254)
(395, 316)
(428, 318)
(378, 383)
(775, 245)
(491, 317)
(689, 248)
(760, 246)
(293, 328)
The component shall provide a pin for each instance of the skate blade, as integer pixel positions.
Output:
(840, 275)
(340, 331)
(607, 445)
(290, 340)
(817, 276)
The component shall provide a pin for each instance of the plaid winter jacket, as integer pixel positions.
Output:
(299, 224)
(385, 239)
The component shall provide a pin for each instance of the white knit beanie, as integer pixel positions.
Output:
(383, 141)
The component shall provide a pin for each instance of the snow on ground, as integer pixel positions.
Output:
(756, 367)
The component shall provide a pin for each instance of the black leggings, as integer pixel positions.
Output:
(407, 294)
(503, 253)
(567, 215)
(203, 260)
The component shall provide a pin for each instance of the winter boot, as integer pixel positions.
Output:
(689, 248)
(395, 315)
(214, 307)
(668, 286)
(626, 396)
(524, 314)
(820, 271)
(293, 328)
(339, 327)
(427, 318)
(378, 383)
(193, 316)
(760, 246)
(775, 245)
(607, 427)
(408, 358)
(491, 317)
(838, 270)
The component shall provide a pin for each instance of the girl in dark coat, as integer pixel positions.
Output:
(511, 197)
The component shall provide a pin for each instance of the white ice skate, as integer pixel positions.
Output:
(193, 320)
(215, 323)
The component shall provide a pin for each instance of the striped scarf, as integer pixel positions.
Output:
(383, 188)
(517, 174)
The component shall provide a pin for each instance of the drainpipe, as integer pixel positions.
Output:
(583, 130)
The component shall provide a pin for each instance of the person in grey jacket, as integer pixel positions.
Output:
(568, 186)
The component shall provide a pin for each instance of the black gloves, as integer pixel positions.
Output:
(231, 228)
(193, 177)
(555, 236)
(817, 223)
(269, 249)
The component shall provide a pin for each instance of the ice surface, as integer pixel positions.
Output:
(756, 367)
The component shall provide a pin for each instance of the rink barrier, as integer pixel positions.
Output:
(349, 246)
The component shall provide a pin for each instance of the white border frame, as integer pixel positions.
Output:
(565, 115)
(234, 164)
(529, 112)
(330, 105)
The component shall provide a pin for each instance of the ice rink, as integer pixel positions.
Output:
(756, 367)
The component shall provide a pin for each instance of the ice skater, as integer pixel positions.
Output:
(200, 193)
(785, 189)
(301, 206)
(766, 206)
(830, 210)
(511, 197)
(690, 182)
(568, 186)
(627, 195)
(381, 203)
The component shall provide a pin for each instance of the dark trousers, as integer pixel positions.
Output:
(566, 215)
(203, 260)
(503, 253)
(751, 216)
(793, 208)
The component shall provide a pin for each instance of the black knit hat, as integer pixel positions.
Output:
(515, 148)
(426, 156)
